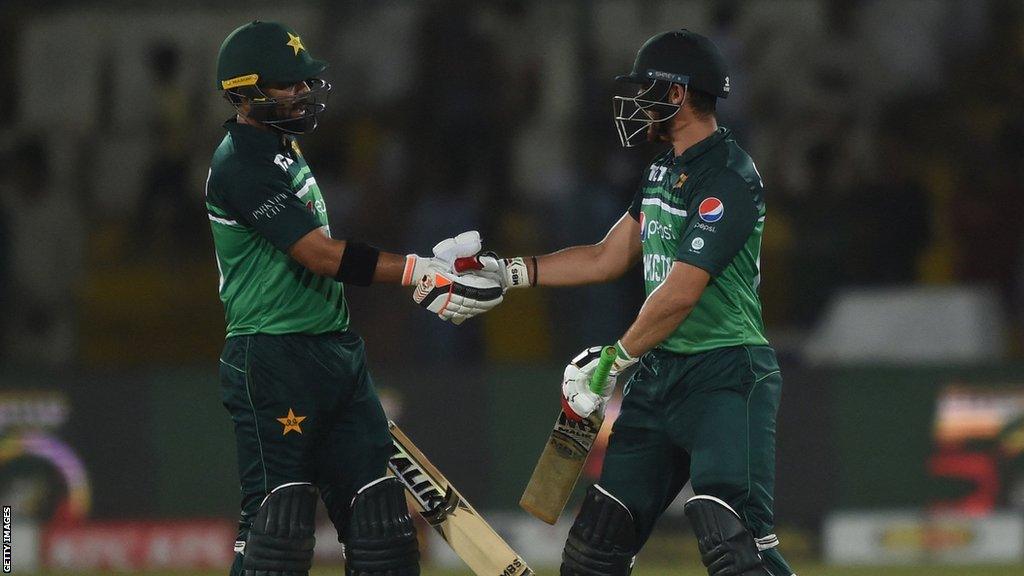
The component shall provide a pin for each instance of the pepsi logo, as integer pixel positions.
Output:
(643, 227)
(711, 209)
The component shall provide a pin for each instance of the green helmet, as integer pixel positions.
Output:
(261, 54)
(674, 57)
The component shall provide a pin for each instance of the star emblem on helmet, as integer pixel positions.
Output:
(295, 42)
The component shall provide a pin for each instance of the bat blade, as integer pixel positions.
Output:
(559, 466)
(450, 514)
(566, 452)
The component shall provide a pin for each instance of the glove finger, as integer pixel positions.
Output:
(438, 303)
(467, 309)
(571, 372)
(468, 243)
(472, 303)
(444, 247)
(485, 305)
(582, 402)
(465, 244)
(490, 263)
(589, 356)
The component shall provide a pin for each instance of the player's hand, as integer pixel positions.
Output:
(446, 252)
(441, 291)
(456, 298)
(507, 272)
(578, 400)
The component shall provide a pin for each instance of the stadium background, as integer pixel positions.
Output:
(890, 135)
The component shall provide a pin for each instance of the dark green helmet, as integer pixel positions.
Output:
(674, 57)
(267, 54)
(264, 52)
(681, 57)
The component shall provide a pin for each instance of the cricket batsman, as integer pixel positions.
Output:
(307, 419)
(702, 403)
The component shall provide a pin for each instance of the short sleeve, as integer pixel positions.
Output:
(264, 201)
(637, 203)
(722, 215)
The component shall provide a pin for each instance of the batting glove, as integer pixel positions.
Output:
(578, 400)
(507, 272)
(441, 291)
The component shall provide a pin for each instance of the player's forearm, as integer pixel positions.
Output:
(585, 264)
(389, 268)
(348, 261)
(660, 315)
(591, 264)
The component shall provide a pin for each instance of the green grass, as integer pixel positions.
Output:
(802, 570)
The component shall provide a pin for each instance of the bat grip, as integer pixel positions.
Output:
(604, 367)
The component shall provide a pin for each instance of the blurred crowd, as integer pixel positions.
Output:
(890, 135)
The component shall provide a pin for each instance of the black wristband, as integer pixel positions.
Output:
(358, 263)
(533, 281)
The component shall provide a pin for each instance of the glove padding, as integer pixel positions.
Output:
(457, 298)
(446, 252)
(578, 400)
(441, 291)
(507, 272)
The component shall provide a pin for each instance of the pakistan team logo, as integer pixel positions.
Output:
(291, 422)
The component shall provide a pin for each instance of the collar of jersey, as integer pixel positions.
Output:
(703, 146)
(255, 137)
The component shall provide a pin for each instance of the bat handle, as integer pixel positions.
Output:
(604, 366)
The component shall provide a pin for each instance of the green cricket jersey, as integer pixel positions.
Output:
(261, 198)
(706, 208)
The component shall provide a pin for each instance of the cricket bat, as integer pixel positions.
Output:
(451, 515)
(565, 453)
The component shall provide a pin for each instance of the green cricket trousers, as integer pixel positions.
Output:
(304, 410)
(708, 418)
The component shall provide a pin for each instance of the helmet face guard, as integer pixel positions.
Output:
(280, 113)
(634, 115)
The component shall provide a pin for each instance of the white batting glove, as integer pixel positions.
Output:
(457, 298)
(439, 290)
(446, 252)
(578, 400)
(508, 272)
